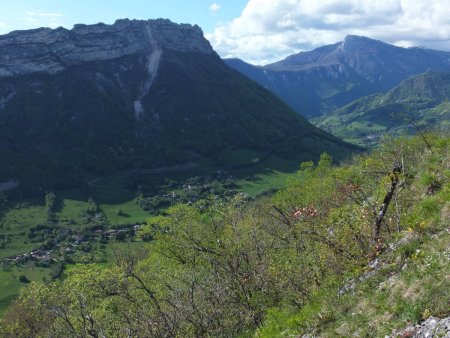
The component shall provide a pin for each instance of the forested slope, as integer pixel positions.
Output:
(307, 260)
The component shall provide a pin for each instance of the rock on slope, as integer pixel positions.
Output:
(430, 328)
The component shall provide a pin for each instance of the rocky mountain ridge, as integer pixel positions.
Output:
(52, 50)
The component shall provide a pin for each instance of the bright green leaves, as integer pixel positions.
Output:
(215, 269)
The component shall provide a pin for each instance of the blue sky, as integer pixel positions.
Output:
(257, 31)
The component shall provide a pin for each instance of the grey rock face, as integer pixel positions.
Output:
(434, 327)
(431, 328)
(52, 50)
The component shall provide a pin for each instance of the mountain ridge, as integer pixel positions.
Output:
(322, 80)
(419, 102)
(52, 50)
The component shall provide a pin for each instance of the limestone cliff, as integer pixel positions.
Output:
(52, 50)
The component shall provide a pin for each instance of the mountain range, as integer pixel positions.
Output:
(416, 104)
(327, 78)
(136, 94)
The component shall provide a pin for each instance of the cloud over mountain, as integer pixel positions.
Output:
(214, 8)
(268, 30)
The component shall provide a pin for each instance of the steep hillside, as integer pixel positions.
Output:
(136, 94)
(359, 250)
(329, 77)
(414, 105)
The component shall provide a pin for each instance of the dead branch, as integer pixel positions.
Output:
(395, 178)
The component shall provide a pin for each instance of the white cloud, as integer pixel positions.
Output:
(214, 8)
(43, 14)
(43, 19)
(268, 30)
(4, 28)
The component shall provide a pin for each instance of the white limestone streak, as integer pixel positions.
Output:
(5, 100)
(152, 69)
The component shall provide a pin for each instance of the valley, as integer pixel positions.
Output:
(86, 223)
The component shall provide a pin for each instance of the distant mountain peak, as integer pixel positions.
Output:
(352, 38)
(52, 50)
(321, 80)
(360, 38)
(353, 43)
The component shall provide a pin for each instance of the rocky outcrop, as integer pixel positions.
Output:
(430, 328)
(52, 50)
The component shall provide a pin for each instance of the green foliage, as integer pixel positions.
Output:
(24, 279)
(291, 264)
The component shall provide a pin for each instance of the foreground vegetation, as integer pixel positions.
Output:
(78, 226)
(341, 251)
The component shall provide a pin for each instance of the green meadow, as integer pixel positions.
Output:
(250, 172)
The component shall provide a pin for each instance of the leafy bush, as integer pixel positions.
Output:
(293, 263)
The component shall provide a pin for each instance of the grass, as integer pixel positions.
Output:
(17, 219)
(16, 247)
(412, 285)
(106, 255)
(265, 176)
(10, 284)
(112, 194)
(130, 213)
(111, 200)
(72, 202)
(262, 183)
(21, 216)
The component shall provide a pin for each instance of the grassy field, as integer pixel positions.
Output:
(252, 173)
(71, 203)
(18, 218)
(10, 284)
(118, 203)
(263, 183)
